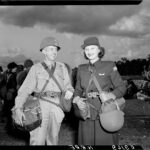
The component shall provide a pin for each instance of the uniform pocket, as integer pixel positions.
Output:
(41, 79)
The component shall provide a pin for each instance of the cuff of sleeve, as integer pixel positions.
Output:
(71, 90)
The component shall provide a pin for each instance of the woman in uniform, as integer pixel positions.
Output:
(90, 131)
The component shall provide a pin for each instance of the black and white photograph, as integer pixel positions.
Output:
(75, 75)
(70, 2)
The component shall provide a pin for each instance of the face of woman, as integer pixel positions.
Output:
(50, 52)
(92, 52)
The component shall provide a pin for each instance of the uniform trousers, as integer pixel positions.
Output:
(47, 133)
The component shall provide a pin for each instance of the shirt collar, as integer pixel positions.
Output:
(50, 65)
(95, 64)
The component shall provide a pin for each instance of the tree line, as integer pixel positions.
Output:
(133, 67)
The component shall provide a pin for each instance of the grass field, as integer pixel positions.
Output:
(136, 130)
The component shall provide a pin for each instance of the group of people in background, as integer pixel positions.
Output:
(21, 81)
(10, 81)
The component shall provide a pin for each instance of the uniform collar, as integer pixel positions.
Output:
(50, 65)
(93, 67)
(95, 64)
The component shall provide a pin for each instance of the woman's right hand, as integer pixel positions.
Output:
(81, 104)
(19, 116)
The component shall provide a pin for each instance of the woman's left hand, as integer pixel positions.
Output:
(68, 94)
(105, 96)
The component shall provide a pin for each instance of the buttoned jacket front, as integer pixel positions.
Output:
(108, 78)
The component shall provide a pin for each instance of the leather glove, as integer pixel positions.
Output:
(68, 95)
(80, 103)
(106, 96)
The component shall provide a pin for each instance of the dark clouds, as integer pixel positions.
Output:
(71, 19)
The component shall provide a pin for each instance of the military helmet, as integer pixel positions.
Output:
(49, 41)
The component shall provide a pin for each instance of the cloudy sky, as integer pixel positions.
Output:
(124, 30)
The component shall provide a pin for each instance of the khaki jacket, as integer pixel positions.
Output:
(36, 79)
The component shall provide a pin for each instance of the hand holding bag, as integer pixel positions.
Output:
(83, 114)
(80, 113)
(111, 117)
(120, 101)
(32, 112)
(107, 106)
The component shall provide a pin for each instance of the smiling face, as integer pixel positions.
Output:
(92, 52)
(50, 52)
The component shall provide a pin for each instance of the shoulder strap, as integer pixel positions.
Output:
(97, 84)
(51, 74)
(50, 71)
(90, 81)
(46, 82)
(58, 84)
(93, 77)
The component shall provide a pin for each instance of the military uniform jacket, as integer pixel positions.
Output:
(108, 78)
(36, 79)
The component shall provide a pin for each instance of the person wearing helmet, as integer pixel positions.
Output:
(90, 131)
(52, 115)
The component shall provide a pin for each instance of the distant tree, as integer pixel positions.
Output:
(148, 57)
(124, 59)
(122, 65)
(132, 67)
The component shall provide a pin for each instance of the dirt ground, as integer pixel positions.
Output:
(136, 130)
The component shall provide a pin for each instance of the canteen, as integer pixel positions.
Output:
(112, 121)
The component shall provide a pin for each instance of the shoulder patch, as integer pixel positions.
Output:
(115, 68)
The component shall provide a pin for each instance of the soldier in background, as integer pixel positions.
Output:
(22, 75)
(11, 92)
(2, 93)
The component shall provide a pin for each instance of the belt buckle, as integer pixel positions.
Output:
(93, 94)
(43, 94)
(52, 94)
